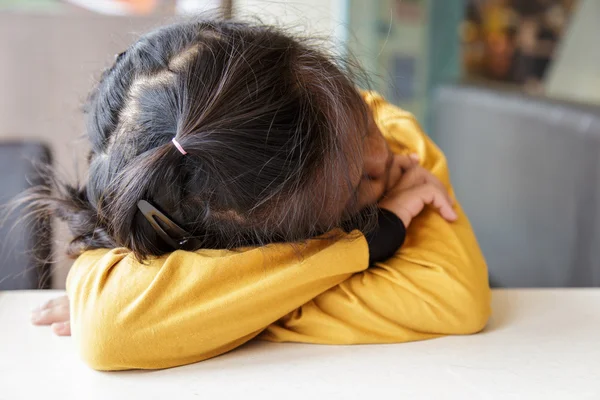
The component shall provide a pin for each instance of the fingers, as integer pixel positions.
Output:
(432, 179)
(62, 328)
(56, 313)
(410, 202)
(62, 300)
(56, 310)
(420, 176)
(438, 198)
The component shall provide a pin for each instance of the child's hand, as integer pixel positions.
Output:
(416, 188)
(56, 313)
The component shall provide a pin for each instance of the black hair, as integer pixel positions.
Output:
(272, 127)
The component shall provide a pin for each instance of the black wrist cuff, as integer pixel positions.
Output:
(387, 238)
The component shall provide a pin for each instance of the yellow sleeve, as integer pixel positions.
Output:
(436, 284)
(186, 307)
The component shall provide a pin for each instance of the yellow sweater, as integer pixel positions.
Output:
(186, 307)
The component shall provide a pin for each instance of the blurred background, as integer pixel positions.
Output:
(510, 89)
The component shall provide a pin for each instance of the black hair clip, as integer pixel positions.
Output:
(168, 230)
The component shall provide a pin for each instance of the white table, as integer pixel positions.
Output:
(539, 344)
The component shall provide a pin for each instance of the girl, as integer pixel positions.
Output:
(241, 187)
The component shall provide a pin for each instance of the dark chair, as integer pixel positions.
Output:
(25, 247)
(527, 172)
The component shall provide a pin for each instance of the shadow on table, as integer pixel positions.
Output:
(256, 352)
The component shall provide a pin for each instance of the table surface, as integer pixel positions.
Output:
(541, 343)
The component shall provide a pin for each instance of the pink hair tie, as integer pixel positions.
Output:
(181, 150)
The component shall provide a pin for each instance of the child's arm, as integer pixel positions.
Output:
(187, 307)
(436, 284)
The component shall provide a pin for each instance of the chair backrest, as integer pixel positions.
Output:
(25, 248)
(527, 171)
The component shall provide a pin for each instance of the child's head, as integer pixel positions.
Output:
(273, 129)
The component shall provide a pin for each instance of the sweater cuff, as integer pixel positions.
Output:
(387, 238)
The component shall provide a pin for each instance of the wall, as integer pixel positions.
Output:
(49, 63)
(316, 17)
(575, 75)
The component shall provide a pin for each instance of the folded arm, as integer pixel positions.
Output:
(187, 307)
(436, 284)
